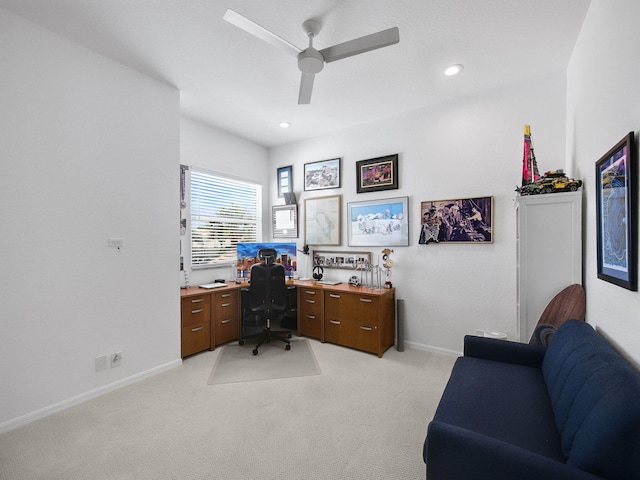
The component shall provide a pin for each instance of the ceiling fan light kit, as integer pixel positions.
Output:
(310, 60)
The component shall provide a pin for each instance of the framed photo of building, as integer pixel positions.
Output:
(465, 220)
(322, 220)
(378, 223)
(322, 175)
(377, 174)
(616, 212)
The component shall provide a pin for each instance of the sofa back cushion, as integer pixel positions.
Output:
(595, 396)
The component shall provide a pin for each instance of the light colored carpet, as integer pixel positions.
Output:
(237, 363)
(364, 418)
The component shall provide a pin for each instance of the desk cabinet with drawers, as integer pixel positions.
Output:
(196, 323)
(310, 311)
(209, 318)
(359, 320)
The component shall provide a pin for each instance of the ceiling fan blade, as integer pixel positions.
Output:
(262, 33)
(361, 45)
(306, 87)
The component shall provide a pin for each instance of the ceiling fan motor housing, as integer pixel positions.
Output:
(310, 61)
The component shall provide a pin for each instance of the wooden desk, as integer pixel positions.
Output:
(355, 317)
(210, 317)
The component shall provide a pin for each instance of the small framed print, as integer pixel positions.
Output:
(341, 260)
(322, 175)
(285, 182)
(377, 174)
(285, 221)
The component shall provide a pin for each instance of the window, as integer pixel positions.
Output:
(224, 211)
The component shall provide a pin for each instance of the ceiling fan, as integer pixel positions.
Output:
(310, 60)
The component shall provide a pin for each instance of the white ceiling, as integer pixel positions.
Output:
(239, 84)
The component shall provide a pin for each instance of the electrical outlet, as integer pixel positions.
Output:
(116, 242)
(101, 363)
(116, 359)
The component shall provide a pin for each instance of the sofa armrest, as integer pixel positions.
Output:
(504, 351)
(454, 453)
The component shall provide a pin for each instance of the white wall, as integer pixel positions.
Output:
(603, 106)
(470, 147)
(89, 150)
(219, 152)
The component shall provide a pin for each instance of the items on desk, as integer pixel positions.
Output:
(213, 285)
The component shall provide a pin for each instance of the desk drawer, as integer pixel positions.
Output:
(195, 339)
(196, 310)
(226, 314)
(310, 312)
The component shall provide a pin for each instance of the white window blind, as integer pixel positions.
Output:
(224, 211)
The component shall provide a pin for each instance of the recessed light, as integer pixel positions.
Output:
(453, 70)
(285, 124)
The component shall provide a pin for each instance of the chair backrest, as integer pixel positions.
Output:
(570, 303)
(267, 290)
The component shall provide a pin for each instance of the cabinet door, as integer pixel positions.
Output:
(310, 312)
(225, 317)
(196, 324)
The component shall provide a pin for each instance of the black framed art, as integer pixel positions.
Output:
(377, 174)
(616, 213)
(285, 182)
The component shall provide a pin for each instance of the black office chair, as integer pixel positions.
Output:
(265, 299)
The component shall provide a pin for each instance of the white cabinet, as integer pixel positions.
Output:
(549, 252)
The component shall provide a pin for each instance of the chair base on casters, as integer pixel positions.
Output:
(266, 335)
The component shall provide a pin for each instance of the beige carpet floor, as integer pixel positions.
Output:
(363, 418)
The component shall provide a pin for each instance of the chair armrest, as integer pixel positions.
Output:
(504, 351)
(453, 453)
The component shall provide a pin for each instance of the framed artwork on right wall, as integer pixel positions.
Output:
(616, 213)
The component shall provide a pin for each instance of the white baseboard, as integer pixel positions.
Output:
(57, 407)
(429, 348)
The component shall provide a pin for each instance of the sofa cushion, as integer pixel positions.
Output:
(504, 401)
(595, 397)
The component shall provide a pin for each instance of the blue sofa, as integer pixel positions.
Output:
(518, 411)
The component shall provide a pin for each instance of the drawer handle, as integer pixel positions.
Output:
(197, 300)
(334, 295)
(368, 329)
(335, 322)
(225, 295)
(312, 317)
(197, 329)
(310, 301)
(225, 304)
(367, 300)
(225, 321)
(309, 292)
(197, 311)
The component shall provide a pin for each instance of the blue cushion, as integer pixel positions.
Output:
(595, 396)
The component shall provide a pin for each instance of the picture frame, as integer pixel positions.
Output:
(322, 175)
(323, 221)
(285, 180)
(616, 213)
(377, 174)
(466, 220)
(376, 223)
(341, 260)
(285, 221)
